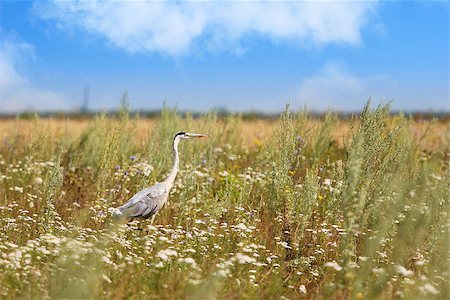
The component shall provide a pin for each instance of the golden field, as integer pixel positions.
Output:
(293, 208)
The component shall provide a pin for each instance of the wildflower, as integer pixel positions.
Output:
(436, 177)
(51, 239)
(257, 142)
(302, 289)
(232, 157)
(166, 254)
(244, 259)
(17, 189)
(403, 271)
(223, 272)
(105, 278)
(363, 258)
(224, 173)
(352, 265)
(151, 228)
(107, 260)
(143, 168)
(189, 260)
(38, 181)
(429, 288)
(333, 265)
(377, 270)
(217, 150)
(247, 250)
(419, 262)
(194, 281)
(409, 281)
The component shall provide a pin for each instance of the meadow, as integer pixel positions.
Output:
(294, 208)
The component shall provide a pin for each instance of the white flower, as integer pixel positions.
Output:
(241, 227)
(187, 260)
(151, 228)
(224, 173)
(232, 157)
(247, 250)
(377, 270)
(143, 167)
(105, 278)
(18, 189)
(302, 289)
(106, 260)
(223, 272)
(51, 239)
(333, 265)
(429, 288)
(217, 150)
(166, 254)
(244, 259)
(403, 271)
(420, 262)
(363, 258)
(38, 181)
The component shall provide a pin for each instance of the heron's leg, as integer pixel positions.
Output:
(147, 230)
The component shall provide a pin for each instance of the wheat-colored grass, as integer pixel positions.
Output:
(293, 208)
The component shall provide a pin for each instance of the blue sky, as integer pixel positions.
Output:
(214, 54)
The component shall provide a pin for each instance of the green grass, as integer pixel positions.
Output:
(297, 216)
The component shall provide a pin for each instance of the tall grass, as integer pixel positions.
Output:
(308, 212)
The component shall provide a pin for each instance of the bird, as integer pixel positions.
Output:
(148, 202)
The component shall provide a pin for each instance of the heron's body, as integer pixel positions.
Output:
(148, 202)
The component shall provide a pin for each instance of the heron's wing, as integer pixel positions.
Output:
(141, 209)
(145, 202)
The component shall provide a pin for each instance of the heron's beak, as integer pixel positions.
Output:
(197, 135)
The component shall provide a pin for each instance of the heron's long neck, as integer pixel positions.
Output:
(176, 161)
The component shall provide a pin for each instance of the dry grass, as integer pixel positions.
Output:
(433, 134)
(294, 208)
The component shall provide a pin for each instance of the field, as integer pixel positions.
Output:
(292, 208)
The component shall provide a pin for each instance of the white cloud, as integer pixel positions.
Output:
(178, 27)
(17, 92)
(337, 88)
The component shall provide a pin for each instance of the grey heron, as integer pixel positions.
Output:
(148, 202)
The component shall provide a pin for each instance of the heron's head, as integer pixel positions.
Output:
(188, 135)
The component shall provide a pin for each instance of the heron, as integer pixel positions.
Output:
(148, 202)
